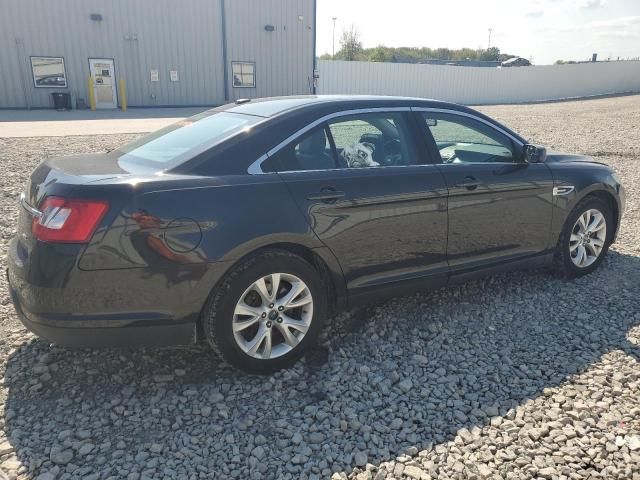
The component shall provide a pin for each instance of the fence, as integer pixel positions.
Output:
(479, 85)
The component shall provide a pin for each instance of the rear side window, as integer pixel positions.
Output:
(312, 151)
(182, 141)
(359, 141)
(372, 140)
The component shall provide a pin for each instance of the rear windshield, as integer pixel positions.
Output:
(177, 143)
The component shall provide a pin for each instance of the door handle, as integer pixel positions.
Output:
(470, 183)
(326, 195)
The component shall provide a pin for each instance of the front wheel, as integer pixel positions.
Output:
(266, 312)
(585, 238)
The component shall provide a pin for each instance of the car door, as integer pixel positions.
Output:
(500, 206)
(359, 180)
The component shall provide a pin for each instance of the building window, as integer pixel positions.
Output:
(48, 72)
(244, 74)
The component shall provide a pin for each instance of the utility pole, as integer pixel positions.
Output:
(333, 53)
(489, 44)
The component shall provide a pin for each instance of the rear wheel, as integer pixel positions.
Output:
(266, 312)
(585, 238)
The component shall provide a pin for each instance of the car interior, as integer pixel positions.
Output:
(460, 152)
(387, 142)
(368, 135)
(314, 153)
(458, 143)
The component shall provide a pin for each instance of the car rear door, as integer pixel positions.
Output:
(500, 207)
(360, 180)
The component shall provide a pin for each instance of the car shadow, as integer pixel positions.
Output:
(484, 348)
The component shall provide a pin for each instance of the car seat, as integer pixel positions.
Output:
(312, 153)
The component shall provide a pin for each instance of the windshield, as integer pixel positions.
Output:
(177, 143)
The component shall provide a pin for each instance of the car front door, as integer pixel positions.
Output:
(359, 180)
(500, 207)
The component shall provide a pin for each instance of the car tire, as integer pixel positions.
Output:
(239, 292)
(565, 259)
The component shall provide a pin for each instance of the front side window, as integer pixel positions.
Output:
(244, 74)
(464, 140)
(48, 72)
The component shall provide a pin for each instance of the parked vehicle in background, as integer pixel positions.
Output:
(247, 225)
(516, 62)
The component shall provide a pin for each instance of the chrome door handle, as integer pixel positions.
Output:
(326, 195)
(470, 183)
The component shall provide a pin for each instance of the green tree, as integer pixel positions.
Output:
(490, 54)
(464, 54)
(350, 44)
(351, 49)
(443, 54)
(379, 54)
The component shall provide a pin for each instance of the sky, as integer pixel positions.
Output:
(541, 30)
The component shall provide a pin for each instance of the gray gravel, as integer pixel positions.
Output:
(516, 376)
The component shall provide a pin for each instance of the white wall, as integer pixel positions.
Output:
(479, 85)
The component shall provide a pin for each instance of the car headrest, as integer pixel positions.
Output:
(314, 144)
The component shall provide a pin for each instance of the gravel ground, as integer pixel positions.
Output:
(516, 376)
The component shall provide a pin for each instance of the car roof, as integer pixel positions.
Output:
(274, 106)
(303, 109)
(285, 116)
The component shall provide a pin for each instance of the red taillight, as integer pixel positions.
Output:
(68, 221)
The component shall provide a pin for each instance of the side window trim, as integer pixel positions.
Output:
(332, 144)
(255, 167)
(515, 145)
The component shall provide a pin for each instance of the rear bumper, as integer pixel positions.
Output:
(88, 332)
(110, 308)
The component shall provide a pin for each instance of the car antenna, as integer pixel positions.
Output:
(240, 101)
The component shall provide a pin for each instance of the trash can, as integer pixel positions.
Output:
(61, 101)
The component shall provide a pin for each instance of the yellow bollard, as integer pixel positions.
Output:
(92, 96)
(123, 95)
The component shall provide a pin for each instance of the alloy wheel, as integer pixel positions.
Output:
(272, 316)
(588, 237)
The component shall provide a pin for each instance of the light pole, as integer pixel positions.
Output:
(489, 45)
(333, 54)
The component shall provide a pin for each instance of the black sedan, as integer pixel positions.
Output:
(247, 225)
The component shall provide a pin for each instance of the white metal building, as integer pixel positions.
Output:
(168, 52)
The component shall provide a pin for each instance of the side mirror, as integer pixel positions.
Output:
(534, 154)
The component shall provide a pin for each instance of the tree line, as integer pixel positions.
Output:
(351, 49)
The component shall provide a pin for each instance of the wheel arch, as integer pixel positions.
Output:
(610, 200)
(563, 206)
(323, 261)
(320, 258)
(561, 262)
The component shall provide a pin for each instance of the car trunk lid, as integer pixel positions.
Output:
(69, 171)
(75, 177)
